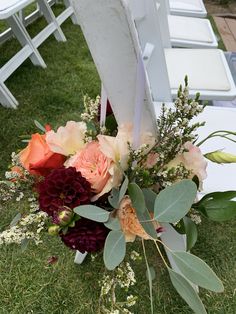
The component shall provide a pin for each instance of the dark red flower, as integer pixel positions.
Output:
(63, 187)
(86, 236)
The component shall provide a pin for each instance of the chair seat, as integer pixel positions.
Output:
(207, 71)
(192, 29)
(10, 7)
(188, 7)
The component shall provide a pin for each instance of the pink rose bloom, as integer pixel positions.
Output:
(68, 140)
(117, 147)
(98, 169)
(192, 160)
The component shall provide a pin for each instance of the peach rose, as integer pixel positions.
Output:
(37, 158)
(98, 169)
(129, 222)
(117, 148)
(67, 140)
(192, 160)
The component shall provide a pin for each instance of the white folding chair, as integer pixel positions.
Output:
(111, 37)
(194, 8)
(186, 32)
(207, 69)
(9, 11)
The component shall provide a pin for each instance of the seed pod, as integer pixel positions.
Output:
(220, 157)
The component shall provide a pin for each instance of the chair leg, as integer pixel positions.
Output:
(6, 97)
(50, 18)
(23, 37)
(73, 16)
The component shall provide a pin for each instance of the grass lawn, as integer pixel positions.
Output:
(27, 283)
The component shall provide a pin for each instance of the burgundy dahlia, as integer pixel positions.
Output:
(86, 236)
(63, 187)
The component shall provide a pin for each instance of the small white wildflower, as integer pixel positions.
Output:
(131, 300)
(196, 219)
(134, 255)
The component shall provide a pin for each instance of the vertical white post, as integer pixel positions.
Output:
(103, 106)
(50, 18)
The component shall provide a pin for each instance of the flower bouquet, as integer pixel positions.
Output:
(88, 185)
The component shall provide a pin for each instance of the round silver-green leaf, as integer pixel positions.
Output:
(114, 249)
(92, 212)
(175, 201)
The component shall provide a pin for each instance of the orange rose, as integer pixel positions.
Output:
(37, 157)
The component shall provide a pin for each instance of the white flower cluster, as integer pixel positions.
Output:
(7, 190)
(28, 227)
(134, 256)
(196, 218)
(91, 109)
(122, 277)
(125, 275)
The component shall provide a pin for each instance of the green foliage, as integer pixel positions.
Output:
(138, 202)
(174, 202)
(187, 292)
(113, 223)
(114, 250)
(197, 271)
(114, 198)
(92, 212)
(123, 188)
(150, 198)
(137, 198)
(218, 206)
(191, 232)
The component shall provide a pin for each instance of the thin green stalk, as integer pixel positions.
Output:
(215, 134)
(150, 282)
(162, 257)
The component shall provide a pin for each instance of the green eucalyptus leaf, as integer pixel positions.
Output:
(123, 188)
(197, 271)
(92, 212)
(147, 223)
(150, 273)
(113, 199)
(175, 201)
(39, 126)
(191, 232)
(187, 292)
(137, 198)
(114, 249)
(150, 198)
(15, 220)
(113, 223)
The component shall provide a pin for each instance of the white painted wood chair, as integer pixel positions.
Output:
(185, 31)
(9, 11)
(194, 8)
(112, 40)
(207, 69)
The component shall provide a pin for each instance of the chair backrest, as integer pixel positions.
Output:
(152, 28)
(110, 35)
